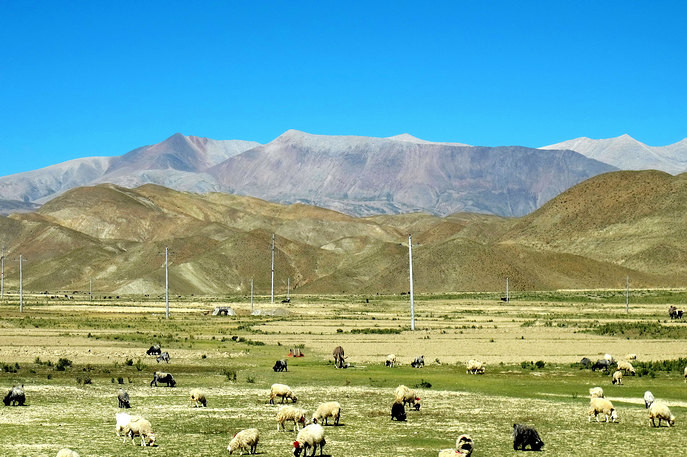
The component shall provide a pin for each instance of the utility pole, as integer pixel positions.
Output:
(21, 286)
(288, 289)
(90, 290)
(166, 282)
(272, 292)
(2, 275)
(627, 295)
(507, 292)
(251, 295)
(412, 304)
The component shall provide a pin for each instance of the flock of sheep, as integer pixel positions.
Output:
(311, 433)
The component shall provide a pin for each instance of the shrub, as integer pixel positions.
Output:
(424, 384)
(230, 373)
(140, 366)
(120, 380)
(63, 364)
(250, 380)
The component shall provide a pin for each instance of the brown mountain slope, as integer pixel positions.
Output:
(634, 219)
(592, 236)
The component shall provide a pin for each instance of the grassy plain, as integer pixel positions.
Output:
(106, 343)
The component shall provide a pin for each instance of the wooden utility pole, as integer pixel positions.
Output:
(627, 295)
(21, 286)
(166, 282)
(251, 295)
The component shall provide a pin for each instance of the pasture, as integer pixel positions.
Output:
(231, 358)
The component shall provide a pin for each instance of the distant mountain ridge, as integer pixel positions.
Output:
(357, 175)
(626, 153)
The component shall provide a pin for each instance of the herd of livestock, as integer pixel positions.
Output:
(311, 432)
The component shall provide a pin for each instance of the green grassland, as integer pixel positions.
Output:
(231, 358)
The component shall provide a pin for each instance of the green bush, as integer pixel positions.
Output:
(63, 364)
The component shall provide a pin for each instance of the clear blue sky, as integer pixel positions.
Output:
(87, 78)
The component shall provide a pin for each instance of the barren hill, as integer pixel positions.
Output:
(594, 235)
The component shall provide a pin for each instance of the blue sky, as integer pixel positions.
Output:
(94, 78)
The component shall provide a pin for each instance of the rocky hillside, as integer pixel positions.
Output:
(593, 235)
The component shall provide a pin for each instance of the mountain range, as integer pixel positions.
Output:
(626, 153)
(593, 235)
(356, 175)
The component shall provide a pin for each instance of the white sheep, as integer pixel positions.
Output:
(617, 378)
(685, 373)
(123, 420)
(310, 437)
(245, 440)
(390, 360)
(325, 410)
(448, 453)
(198, 397)
(290, 413)
(609, 357)
(626, 367)
(142, 428)
(475, 367)
(631, 357)
(283, 391)
(405, 395)
(648, 398)
(659, 410)
(602, 406)
(596, 392)
(66, 453)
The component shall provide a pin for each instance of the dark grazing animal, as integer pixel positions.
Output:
(15, 397)
(418, 362)
(154, 350)
(164, 356)
(123, 398)
(163, 377)
(280, 365)
(585, 362)
(601, 364)
(398, 412)
(339, 359)
(525, 435)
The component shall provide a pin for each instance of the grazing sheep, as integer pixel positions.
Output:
(280, 365)
(617, 377)
(15, 396)
(596, 392)
(685, 373)
(283, 391)
(601, 364)
(339, 359)
(325, 410)
(154, 350)
(525, 435)
(390, 360)
(66, 453)
(123, 420)
(310, 437)
(475, 367)
(448, 453)
(398, 411)
(198, 396)
(464, 445)
(610, 358)
(648, 399)
(626, 367)
(659, 410)
(405, 395)
(163, 357)
(123, 398)
(140, 427)
(291, 413)
(585, 362)
(419, 362)
(161, 376)
(245, 440)
(602, 406)
(631, 357)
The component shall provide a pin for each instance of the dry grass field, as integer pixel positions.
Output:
(231, 359)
